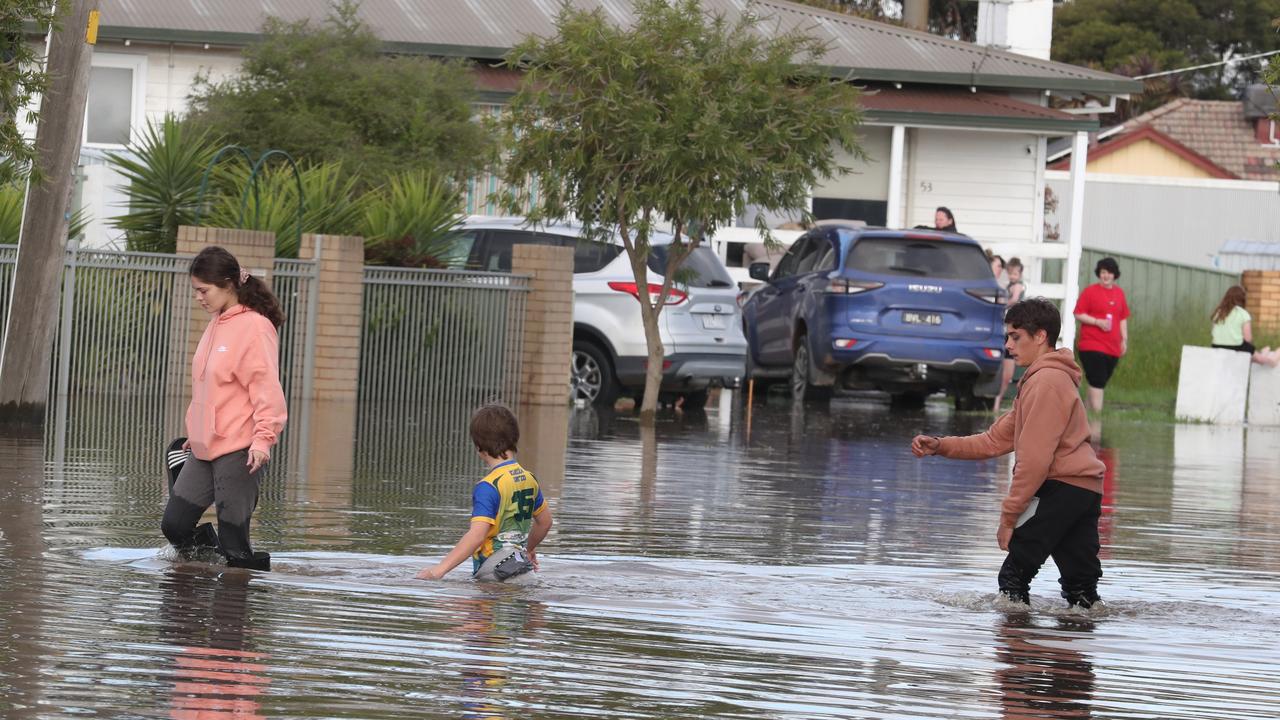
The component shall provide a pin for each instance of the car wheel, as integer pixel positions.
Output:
(591, 375)
(964, 400)
(694, 400)
(802, 387)
(907, 400)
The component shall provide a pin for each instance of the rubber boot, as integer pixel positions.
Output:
(205, 536)
(259, 561)
(1083, 599)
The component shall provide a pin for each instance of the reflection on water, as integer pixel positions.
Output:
(814, 569)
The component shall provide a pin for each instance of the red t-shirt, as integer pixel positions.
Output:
(1099, 302)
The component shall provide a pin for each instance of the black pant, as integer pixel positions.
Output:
(224, 482)
(1064, 527)
(1242, 347)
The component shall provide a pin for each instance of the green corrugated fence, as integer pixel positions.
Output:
(1158, 290)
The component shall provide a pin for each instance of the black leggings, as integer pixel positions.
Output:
(224, 482)
(1064, 527)
(1242, 347)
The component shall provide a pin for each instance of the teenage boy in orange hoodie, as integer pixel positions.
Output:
(1055, 497)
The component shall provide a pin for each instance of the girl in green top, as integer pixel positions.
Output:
(1233, 328)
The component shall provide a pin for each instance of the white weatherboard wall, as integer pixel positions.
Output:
(1213, 385)
(988, 179)
(1264, 395)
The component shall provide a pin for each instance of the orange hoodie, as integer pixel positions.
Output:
(236, 398)
(1048, 430)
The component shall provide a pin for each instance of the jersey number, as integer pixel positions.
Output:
(524, 504)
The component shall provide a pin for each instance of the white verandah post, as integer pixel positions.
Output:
(893, 211)
(1075, 231)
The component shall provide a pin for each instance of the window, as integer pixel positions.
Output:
(819, 249)
(115, 102)
(827, 262)
(498, 246)
(701, 269)
(592, 255)
(919, 258)
(459, 251)
(787, 265)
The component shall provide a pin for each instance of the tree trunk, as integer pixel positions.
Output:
(33, 310)
(657, 353)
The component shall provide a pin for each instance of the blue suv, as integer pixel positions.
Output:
(908, 312)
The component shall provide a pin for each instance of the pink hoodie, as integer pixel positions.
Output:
(236, 398)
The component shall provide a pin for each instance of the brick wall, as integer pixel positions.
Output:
(338, 318)
(1263, 290)
(547, 348)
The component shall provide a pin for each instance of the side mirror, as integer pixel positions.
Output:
(759, 271)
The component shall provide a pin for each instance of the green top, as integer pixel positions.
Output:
(1231, 330)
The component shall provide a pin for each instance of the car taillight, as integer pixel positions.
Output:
(674, 296)
(845, 286)
(844, 343)
(995, 296)
(992, 353)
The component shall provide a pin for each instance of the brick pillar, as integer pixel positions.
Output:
(339, 313)
(1263, 290)
(548, 323)
(256, 251)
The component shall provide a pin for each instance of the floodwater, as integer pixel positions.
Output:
(804, 567)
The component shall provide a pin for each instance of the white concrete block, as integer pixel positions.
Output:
(1264, 395)
(1213, 385)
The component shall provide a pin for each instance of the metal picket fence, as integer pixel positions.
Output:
(434, 345)
(121, 354)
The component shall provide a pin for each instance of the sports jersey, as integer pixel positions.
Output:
(507, 498)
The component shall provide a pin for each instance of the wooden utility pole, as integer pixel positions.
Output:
(25, 360)
(915, 13)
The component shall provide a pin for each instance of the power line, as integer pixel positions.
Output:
(1208, 65)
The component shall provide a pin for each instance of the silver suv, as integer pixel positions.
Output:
(701, 328)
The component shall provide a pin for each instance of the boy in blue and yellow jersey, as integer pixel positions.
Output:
(509, 516)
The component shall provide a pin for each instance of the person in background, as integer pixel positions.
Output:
(1233, 328)
(1017, 290)
(943, 220)
(1103, 313)
(237, 408)
(997, 264)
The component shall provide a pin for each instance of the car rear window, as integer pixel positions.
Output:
(701, 269)
(919, 258)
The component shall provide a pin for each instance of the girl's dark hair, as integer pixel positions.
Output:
(1232, 299)
(950, 218)
(1108, 264)
(216, 266)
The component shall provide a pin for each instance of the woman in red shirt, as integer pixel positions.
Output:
(1103, 313)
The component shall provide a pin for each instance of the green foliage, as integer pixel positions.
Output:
(683, 115)
(1136, 35)
(12, 200)
(163, 170)
(329, 93)
(412, 222)
(22, 78)
(329, 206)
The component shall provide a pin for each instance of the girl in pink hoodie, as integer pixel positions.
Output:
(237, 409)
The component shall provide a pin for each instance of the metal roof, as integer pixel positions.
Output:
(862, 49)
(1250, 247)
